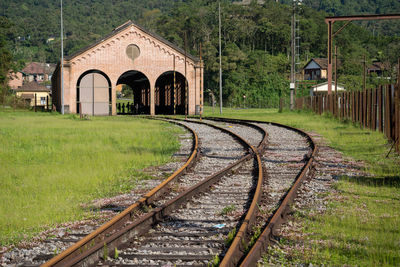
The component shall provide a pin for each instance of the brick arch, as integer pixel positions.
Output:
(97, 85)
(165, 95)
(140, 84)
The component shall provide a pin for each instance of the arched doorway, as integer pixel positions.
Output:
(93, 94)
(140, 85)
(165, 95)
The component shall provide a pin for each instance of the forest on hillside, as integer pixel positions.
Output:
(255, 38)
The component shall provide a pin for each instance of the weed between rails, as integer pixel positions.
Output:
(228, 210)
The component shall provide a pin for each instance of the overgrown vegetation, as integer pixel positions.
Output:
(360, 228)
(230, 238)
(50, 164)
(255, 38)
(228, 209)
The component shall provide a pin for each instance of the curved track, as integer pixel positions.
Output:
(201, 231)
(205, 213)
(288, 161)
(223, 153)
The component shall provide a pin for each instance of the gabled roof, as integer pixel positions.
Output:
(33, 87)
(123, 27)
(321, 62)
(38, 68)
(33, 68)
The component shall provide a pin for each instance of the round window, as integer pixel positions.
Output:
(133, 51)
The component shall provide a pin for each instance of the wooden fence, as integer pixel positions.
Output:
(377, 109)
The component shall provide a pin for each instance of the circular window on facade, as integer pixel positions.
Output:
(133, 51)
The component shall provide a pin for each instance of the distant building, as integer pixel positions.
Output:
(33, 72)
(323, 88)
(316, 69)
(38, 72)
(33, 90)
(378, 68)
(50, 39)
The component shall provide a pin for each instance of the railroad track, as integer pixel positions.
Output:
(288, 161)
(205, 214)
(201, 231)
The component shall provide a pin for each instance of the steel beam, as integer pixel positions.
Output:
(363, 17)
(331, 20)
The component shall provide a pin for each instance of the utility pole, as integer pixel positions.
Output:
(398, 73)
(335, 69)
(293, 63)
(201, 85)
(348, 19)
(62, 60)
(220, 59)
(364, 74)
(186, 84)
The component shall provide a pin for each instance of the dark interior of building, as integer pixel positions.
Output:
(164, 93)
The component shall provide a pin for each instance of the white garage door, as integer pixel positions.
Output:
(94, 95)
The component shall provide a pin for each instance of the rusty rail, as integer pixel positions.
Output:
(235, 253)
(130, 229)
(119, 220)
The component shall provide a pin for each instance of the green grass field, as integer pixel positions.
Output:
(50, 164)
(362, 224)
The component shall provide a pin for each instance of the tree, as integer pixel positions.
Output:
(6, 63)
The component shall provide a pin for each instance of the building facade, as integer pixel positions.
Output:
(164, 79)
(316, 69)
(38, 72)
(34, 94)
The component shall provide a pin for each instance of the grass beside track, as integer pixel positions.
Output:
(50, 164)
(361, 225)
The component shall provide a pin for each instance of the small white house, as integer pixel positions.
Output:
(323, 88)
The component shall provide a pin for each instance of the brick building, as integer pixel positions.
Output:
(153, 67)
(32, 72)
